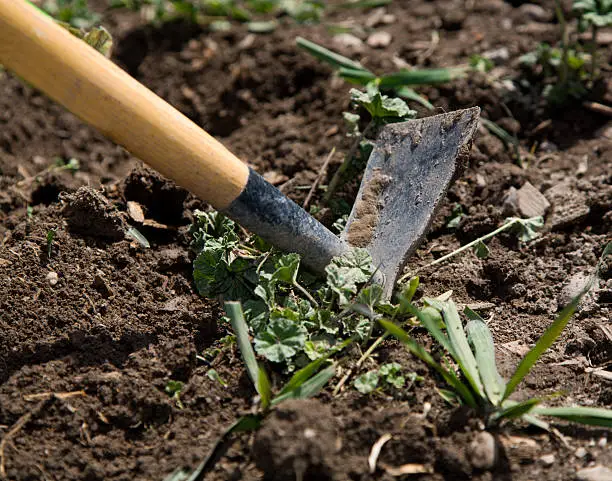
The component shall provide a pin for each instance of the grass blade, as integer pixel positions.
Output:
(536, 421)
(301, 376)
(249, 422)
(420, 77)
(409, 290)
(505, 137)
(428, 323)
(419, 351)
(463, 354)
(264, 388)
(479, 336)
(332, 58)
(543, 343)
(239, 325)
(585, 415)
(410, 94)
(360, 77)
(309, 388)
(516, 409)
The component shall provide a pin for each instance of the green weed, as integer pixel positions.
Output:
(76, 13)
(395, 83)
(295, 318)
(51, 233)
(481, 387)
(568, 72)
(388, 375)
(173, 389)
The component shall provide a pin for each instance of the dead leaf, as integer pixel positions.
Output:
(411, 468)
(135, 211)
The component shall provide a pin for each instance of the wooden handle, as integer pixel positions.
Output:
(100, 93)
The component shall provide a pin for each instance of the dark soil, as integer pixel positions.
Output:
(93, 325)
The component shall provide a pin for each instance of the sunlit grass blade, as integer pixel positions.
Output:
(360, 77)
(543, 343)
(536, 421)
(409, 290)
(264, 388)
(461, 351)
(234, 312)
(309, 388)
(451, 397)
(410, 94)
(428, 323)
(332, 58)
(585, 415)
(421, 77)
(516, 409)
(301, 376)
(481, 340)
(419, 351)
(509, 141)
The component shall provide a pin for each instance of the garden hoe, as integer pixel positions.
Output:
(406, 177)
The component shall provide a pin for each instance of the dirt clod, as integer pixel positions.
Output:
(162, 198)
(297, 441)
(89, 213)
(362, 229)
(482, 451)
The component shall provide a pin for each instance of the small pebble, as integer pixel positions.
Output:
(375, 18)
(548, 459)
(482, 451)
(603, 442)
(535, 12)
(580, 452)
(595, 473)
(548, 147)
(497, 56)
(347, 40)
(52, 278)
(379, 39)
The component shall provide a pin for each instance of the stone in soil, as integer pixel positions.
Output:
(569, 205)
(526, 201)
(379, 39)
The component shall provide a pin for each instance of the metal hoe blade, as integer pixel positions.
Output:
(407, 176)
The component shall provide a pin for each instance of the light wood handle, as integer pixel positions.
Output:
(100, 93)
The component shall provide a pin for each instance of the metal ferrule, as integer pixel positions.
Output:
(262, 208)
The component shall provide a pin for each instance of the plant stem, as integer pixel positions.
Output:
(333, 185)
(507, 225)
(361, 360)
(306, 293)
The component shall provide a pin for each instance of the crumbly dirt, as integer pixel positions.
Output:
(93, 325)
(367, 208)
